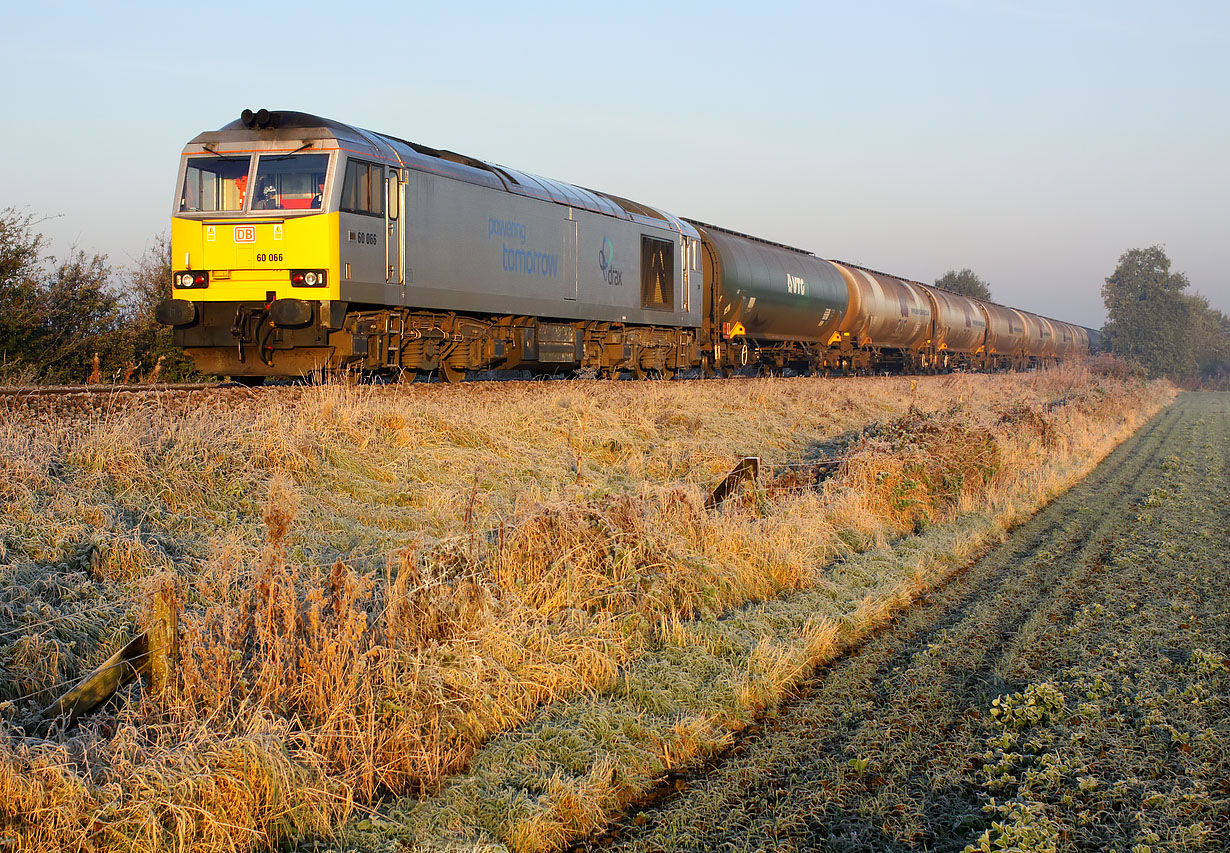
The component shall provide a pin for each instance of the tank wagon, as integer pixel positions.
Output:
(302, 245)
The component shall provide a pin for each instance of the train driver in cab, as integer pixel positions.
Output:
(267, 198)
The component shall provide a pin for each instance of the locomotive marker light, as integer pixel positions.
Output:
(307, 278)
(192, 279)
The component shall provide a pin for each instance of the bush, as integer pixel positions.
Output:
(57, 317)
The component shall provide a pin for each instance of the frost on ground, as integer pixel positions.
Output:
(380, 587)
(1070, 691)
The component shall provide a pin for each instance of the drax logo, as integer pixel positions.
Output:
(606, 262)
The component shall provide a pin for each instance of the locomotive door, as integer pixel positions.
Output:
(395, 244)
(570, 259)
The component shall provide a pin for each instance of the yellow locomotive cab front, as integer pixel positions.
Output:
(254, 254)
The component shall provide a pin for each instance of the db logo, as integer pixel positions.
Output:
(245, 233)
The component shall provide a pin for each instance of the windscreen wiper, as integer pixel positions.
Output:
(217, 153)
(291, 154)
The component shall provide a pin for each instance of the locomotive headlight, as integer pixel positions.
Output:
(307, 278)
(198, 278)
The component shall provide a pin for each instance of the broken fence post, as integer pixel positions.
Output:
(747, 469)
(154, 651)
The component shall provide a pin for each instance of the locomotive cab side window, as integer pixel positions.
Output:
(363, 188)
(657, 274)
(214, 184)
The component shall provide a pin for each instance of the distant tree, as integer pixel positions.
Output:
(1149, 319)
(965, 283)
(1212, 337)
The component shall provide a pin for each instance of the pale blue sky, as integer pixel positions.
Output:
(1031, 141)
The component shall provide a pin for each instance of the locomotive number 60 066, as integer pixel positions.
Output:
(261, 257)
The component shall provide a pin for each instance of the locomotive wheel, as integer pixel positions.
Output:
(666, 373)
(639, 372)
(452, 375)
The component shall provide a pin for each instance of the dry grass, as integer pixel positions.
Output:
(373, 582)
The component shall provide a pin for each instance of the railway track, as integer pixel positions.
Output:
(67, 390)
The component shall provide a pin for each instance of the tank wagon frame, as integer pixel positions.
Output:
(301, 245)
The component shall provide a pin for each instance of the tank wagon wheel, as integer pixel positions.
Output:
(706, 368)
(728, 372)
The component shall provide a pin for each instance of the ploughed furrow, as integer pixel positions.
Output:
(887, 749)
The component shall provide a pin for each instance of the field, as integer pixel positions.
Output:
(1070, 691)
(484, 615)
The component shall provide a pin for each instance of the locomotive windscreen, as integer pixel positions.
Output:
(215, 183)
(289, 182)
(282, 182)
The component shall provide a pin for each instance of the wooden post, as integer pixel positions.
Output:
(163, 637)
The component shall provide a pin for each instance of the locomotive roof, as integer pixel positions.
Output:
(292, 125)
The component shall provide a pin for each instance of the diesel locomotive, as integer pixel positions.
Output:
(303, 246)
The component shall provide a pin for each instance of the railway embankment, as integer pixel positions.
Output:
(499, 614)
